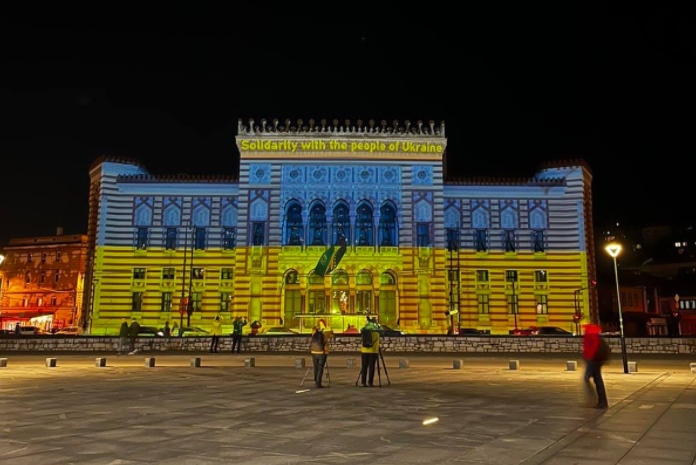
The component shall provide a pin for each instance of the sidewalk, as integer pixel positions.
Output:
(225, 413)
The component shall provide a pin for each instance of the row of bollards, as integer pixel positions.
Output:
(457, 364)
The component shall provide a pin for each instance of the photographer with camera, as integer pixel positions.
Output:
(319, 348)
(369, 351)
(237, 328)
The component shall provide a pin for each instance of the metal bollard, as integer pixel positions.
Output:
(457, 364)
(299, 363)
(250, 362)
(633, 367)
(51, 362)
(195, 362)
(100, 362)
(150, 362)
(3, 362)
(403, 363)
(571, 365)
(691, 365)
(514, 364)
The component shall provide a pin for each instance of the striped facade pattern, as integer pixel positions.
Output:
(257, 286)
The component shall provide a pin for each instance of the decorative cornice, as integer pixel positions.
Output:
(177, 178)
(569, 163)
(115, 159)
(347, 129)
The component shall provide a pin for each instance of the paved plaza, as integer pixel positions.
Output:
(226, 413)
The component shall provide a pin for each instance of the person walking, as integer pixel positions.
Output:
(319, 348)
(216, 332)
(123, 338)
(167, 330)
(237, 328)
(595, 356)
(133, 331)
(369, 351)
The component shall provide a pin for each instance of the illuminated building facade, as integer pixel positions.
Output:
(495, 254)
(42, 281)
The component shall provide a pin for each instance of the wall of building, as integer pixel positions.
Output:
(299, 344)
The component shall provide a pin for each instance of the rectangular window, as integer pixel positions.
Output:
(453, 276)
(138, 273)
(482, 276)
(542, 306)
(538, 240)
(168, 274)
(509, 240)
(452, 238)
(199, 238)
(197, 273)
(197, 301)
(54, 301)
(170, 239)
(229, 238)
(166, 305)
(293, 302)
(56, 276)
(481, 240)
(30, 257)
(27, 278)
(513, 304)
(39, 302)
(225, 301)
(42, 277)
(387, 308)
(258, 231)
(137, 302)
(316, 302)
(423, 235)
(226, 273)
(540, 276)
(43, 258)
(363, 302)
(483, 304)
(511, 276)
(141, 239)
(58, 257)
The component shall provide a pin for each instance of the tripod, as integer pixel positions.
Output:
(380, 358)
(327, 375)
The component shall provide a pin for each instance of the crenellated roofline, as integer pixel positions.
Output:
(176, 178)
(116, 159)
(565, 163)
(347, 129)
(505, 181)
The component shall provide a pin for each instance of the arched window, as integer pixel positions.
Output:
(317, 224)
(340, 226)
(388, 311)
(387, 225)
(293, 299)
(316, 298)
(363, 293)
(339, 293)
(294, 229)
(364, 225)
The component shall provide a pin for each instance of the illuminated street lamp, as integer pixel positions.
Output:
(614, 250)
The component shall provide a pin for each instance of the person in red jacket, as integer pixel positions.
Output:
(593, 366)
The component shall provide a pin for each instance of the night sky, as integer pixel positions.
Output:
(515, 87)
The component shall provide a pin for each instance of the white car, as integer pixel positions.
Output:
(69, 331)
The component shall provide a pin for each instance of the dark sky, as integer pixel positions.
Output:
(515, 87)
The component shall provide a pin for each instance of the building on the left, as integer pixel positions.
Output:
(42, 281)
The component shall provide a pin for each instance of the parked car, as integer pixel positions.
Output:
(542, 331)
(68, 331)
(193, 331)
(31, 331)
(150, 331)
(277, 331)
(385, 330)
(472, 332)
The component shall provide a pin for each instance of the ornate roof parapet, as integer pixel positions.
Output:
(115, 159)
(346, 129)
(176, 178)
(568, 163)
(502, 181)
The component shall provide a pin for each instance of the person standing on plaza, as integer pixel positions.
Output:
(167, 330)
(216, 331)
(319, 348)
(237, 328)
(123, 338)
(369, 352)
(133, 331)
(594, 351)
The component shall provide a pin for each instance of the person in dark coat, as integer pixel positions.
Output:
(593, 365)
(133, 331)
(123, 344)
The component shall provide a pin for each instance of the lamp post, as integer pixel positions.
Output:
(614, 250)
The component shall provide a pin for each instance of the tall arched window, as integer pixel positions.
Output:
(363, 293)
(317, 224)
(316, 298)
(364, 225)
(388, 311)
(294, 229)
(293, 299)
(387, 225)
(340, 225)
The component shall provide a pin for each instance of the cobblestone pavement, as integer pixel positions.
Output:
(226, 413)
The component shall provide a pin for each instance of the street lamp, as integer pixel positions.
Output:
(614, 250)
